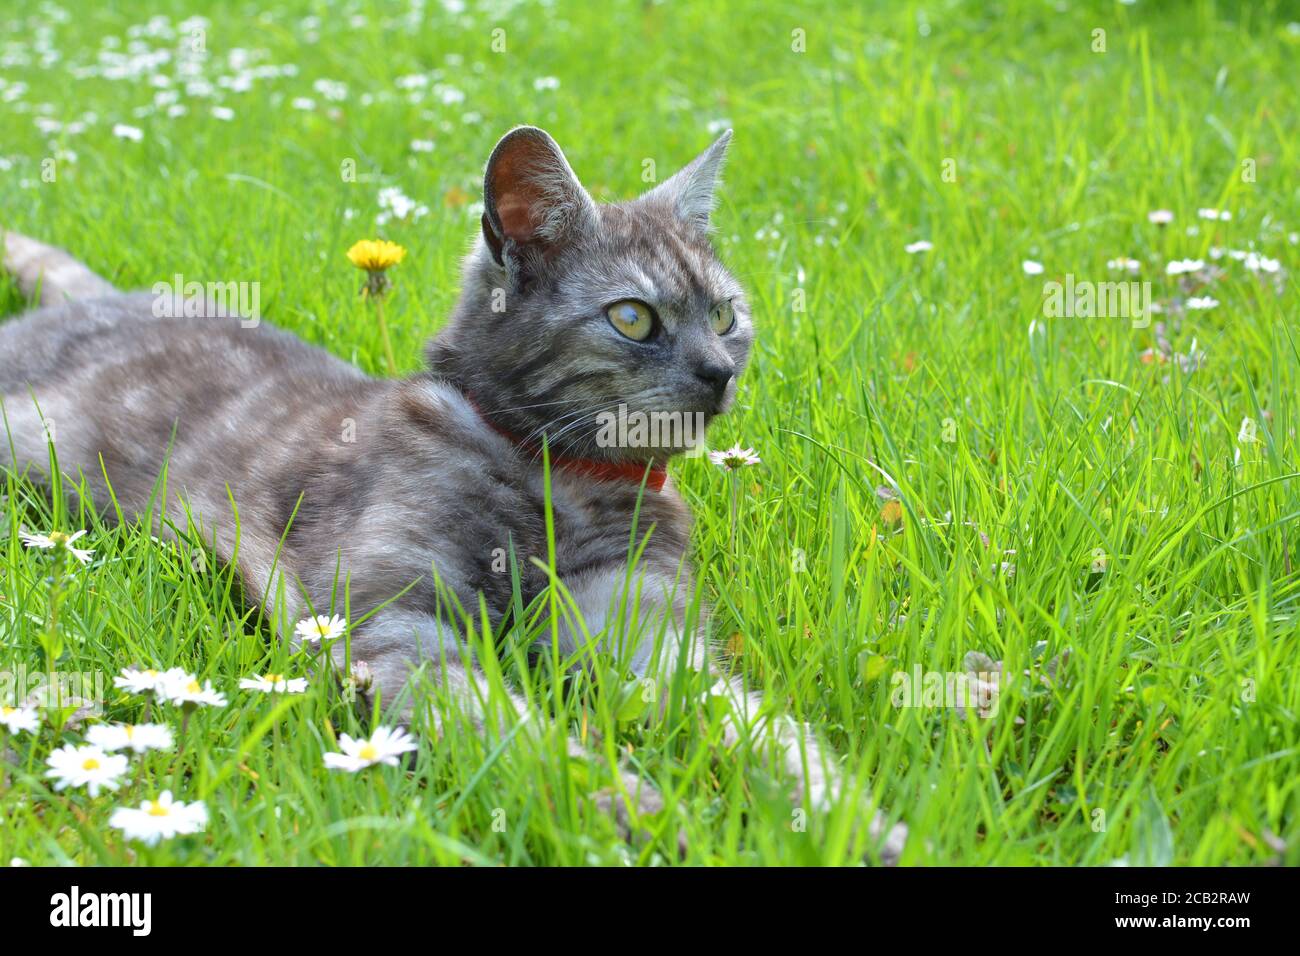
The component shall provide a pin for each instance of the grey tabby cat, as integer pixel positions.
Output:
(568, 308)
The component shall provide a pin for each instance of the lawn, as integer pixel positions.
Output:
(950, 465)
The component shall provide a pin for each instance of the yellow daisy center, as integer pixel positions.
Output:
(59, 537)
(5, 711)
(273, 678)
(90, 763)
(368, 752)
(192, 687)
(156, 809)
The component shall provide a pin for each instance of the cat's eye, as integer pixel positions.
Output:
(723, 319)
(632, 319)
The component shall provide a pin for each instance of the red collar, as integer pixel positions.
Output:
(654, 474)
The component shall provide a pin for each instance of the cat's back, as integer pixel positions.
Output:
(118, 388)
(102, 339)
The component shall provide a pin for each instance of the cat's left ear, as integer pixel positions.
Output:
(533, 203)
(691, 189)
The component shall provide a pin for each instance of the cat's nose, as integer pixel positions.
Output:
(716, 374)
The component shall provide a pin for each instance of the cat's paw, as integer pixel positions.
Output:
(890, 840)
(639, 818)
(887, 842)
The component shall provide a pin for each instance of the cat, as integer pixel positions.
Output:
(568, 309)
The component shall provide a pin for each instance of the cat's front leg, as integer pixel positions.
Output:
(794, 748)
(407, 651)
(640, 620)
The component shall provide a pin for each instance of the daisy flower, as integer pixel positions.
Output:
(1123, 264)
(147, 681)
(1180, 267)
(159, 819)
(1257, 263)
(921, 245)
(273, 683)
(384, 746)
(134, 737)
(122, 131)
(1222, 216)
(85, 766)
(56, 539)
(1202, 302)
(1160, 217)
(361, 675)
(186, 690)
(1032, 268)
(320, 628)
(16, 719)
(734, 458)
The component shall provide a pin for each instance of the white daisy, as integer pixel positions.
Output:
(122, 131)
(1257, 263)
(275, 683)
(57, 539)
(159, 819)
(1221, 216)
(134, 737)
(147, 681)
(1180, 267)
(1202, 302)
(384, 746)
(422, 146)
(320, 628)
(921, 245)
(1160, 217)
(223, 113)
(1032, 268)
(303, 103)
(16, 719)
(1123, 264)
(85, 766)
(734, 457)
(185, 689)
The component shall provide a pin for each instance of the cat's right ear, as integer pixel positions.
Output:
(532, 201)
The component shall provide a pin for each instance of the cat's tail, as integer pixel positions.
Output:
(52, 273)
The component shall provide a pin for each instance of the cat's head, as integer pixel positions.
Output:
(614, 329)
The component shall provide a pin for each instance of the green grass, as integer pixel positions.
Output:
(1169, 736)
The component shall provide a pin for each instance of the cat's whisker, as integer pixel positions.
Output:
(520, 408)
(573, 420)
(579, 414)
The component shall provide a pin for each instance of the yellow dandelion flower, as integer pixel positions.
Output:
(376, 255)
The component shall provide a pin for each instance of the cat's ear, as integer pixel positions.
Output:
(532, 201)
(691, 189)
